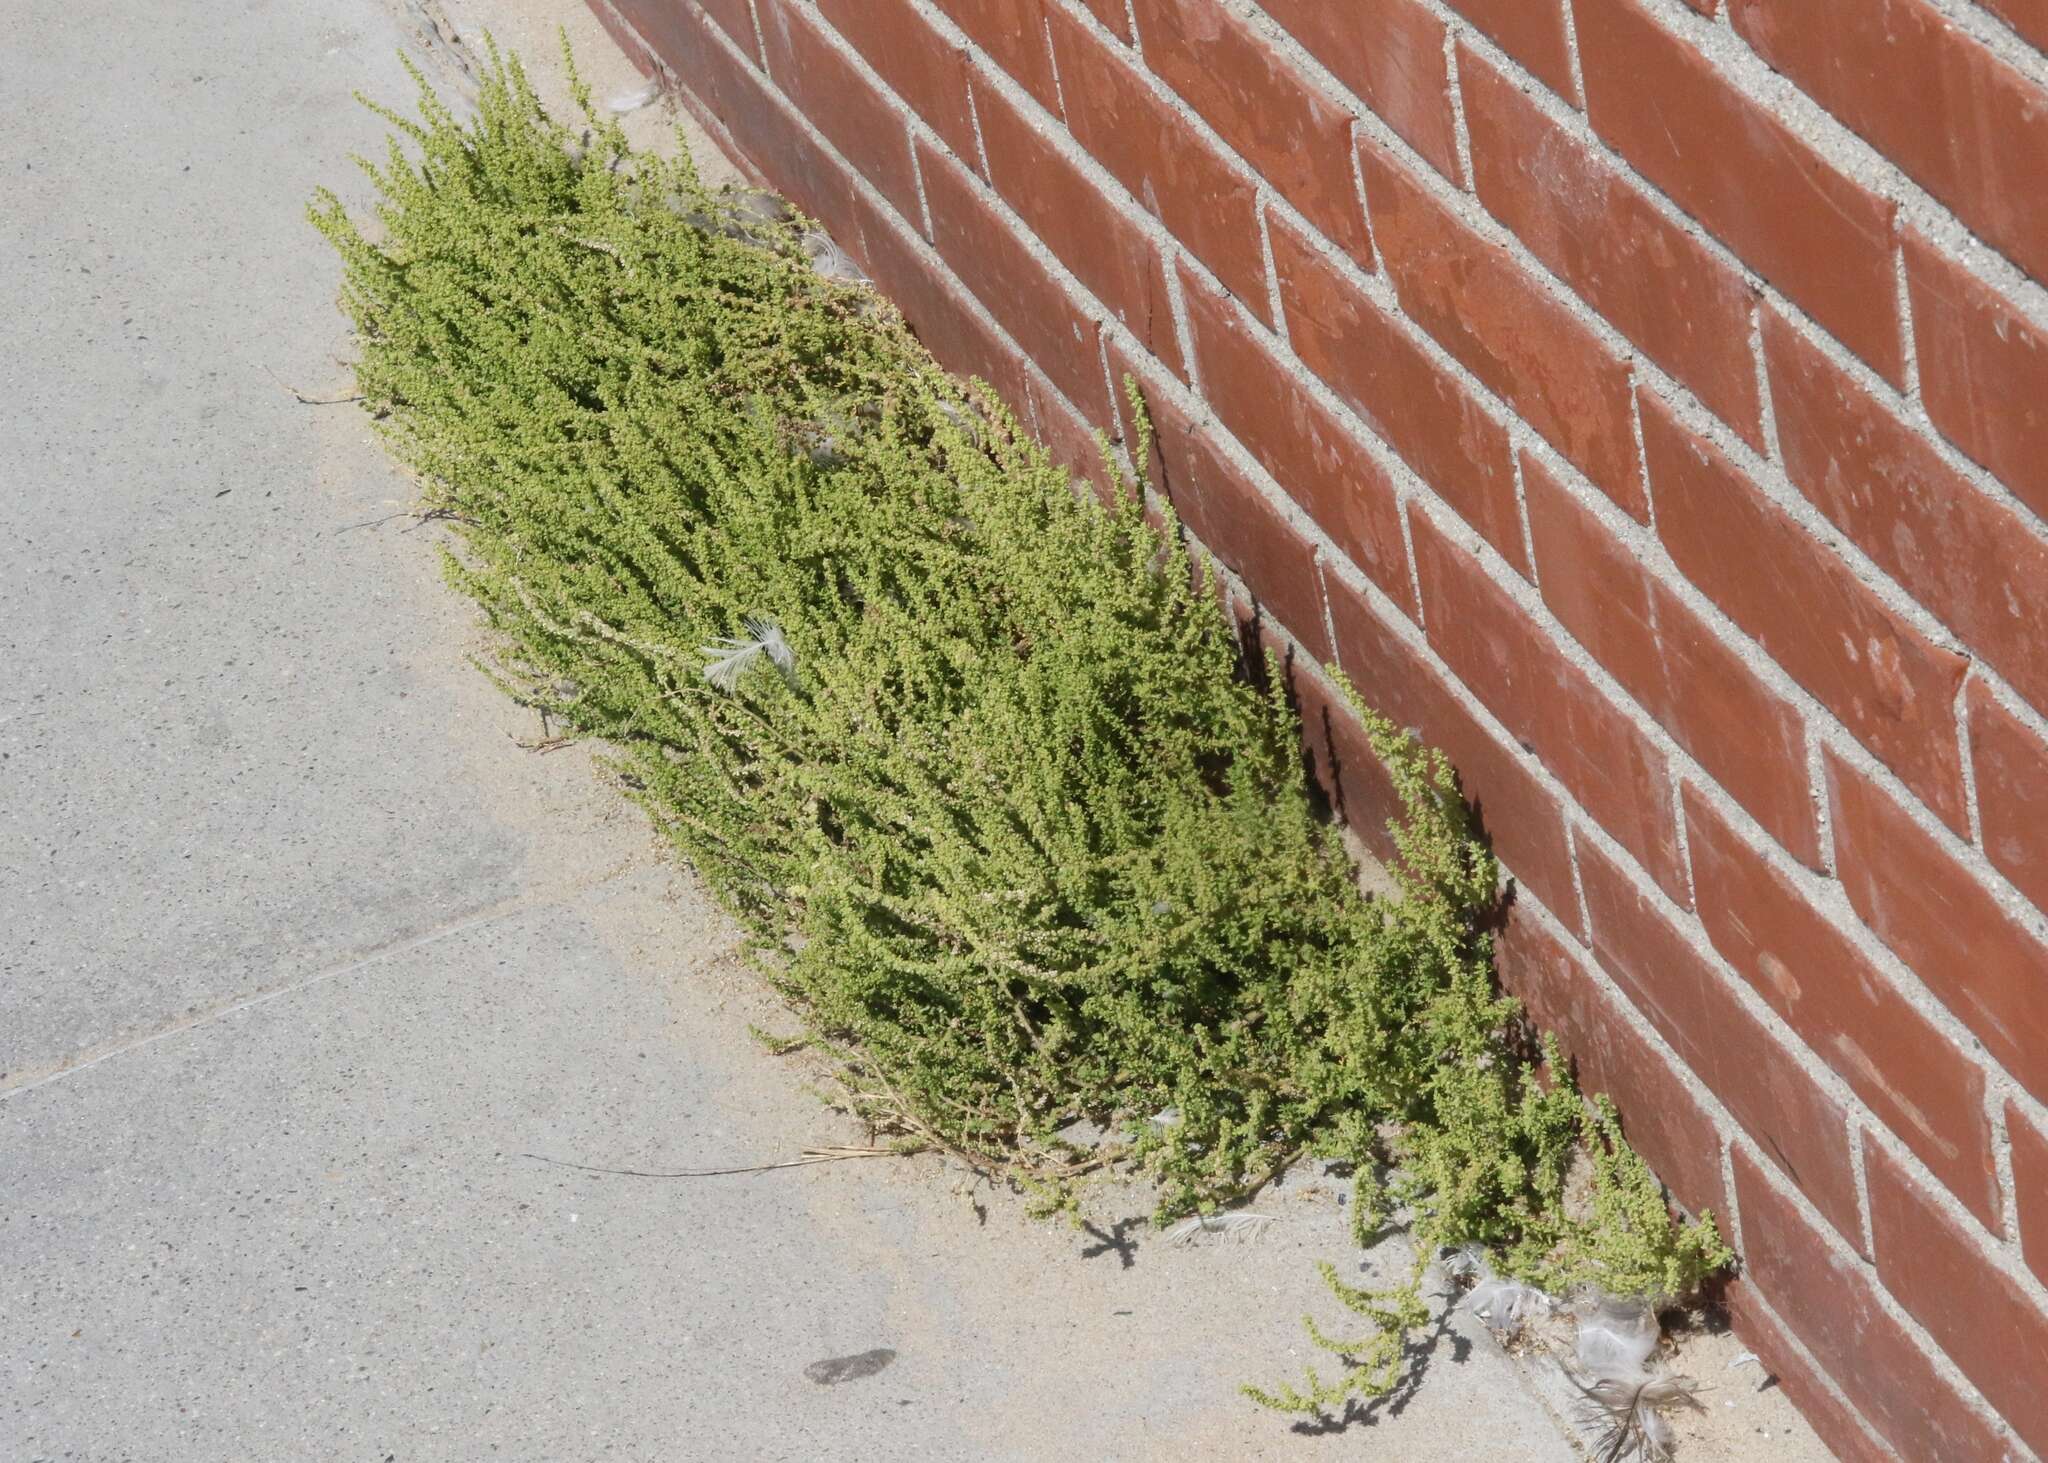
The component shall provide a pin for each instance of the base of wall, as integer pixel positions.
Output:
(1645, 772)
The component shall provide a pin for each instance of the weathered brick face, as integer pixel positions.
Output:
(1646, 400)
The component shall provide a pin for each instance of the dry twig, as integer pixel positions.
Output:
(304, 400)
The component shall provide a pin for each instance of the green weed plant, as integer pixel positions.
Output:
(1015, 830)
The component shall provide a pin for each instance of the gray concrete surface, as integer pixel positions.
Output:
(300, 952)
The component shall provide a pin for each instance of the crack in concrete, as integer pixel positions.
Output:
(27, 1080)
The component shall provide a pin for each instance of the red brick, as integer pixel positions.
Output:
(1976, 563)
(1144, 372)
(1977, 1312)
(839, 102)
(1113, 15)
(1812, 974)
(1516, 812)
(731, 16)
(1983, 371)
(1416, 406)
(1013, 32)
(1070, 437)
(736, 20)
(920, 65)
(779, 152)
(777, 149)
(670, 28)
(1346, 768)
(1532, 31)
(1763, 1083)
(1891, 686)
(938, 310)
(1831, 1303)
(1660, 1117)
(1092, 235)
(1548, 704)
(1506, 329)
(1314, 457)
(1969, 128)
(1668, 293)
(1698, 689)
(1391, 53)
(1840, 1426)
(1234, 521)
(1911, 890)
(1151, 149)
(626, 35)
(2030, 1185)
(1295, 138)
(2028, 17)
(2011, 766)
(985, 253)
(1744, 174)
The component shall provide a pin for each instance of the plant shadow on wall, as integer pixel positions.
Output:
(1013, 825)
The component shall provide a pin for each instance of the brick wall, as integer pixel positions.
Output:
(1646, 399)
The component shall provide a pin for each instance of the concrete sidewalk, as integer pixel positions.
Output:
(300, 952)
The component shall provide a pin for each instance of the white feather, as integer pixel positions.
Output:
(633, 101)
(1465, 1262)
(1616, 1337)
(829, 259)
(731, 657)
(1241, 1225)
(1507, 1305)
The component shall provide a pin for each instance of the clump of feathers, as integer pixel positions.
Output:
(1625, 1415)
(1623, 1395)
(1027, 839)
